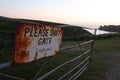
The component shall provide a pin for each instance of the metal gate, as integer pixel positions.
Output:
(70, 69)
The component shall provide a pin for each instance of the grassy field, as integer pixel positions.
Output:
(104, 51)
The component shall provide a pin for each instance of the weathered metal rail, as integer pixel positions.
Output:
(4, 65)
(76, 45)
(11, 77)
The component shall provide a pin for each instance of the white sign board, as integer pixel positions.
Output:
(35, 41)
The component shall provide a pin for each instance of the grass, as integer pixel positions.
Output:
(108, 44)
(101, 58)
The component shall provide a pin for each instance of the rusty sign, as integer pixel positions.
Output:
(36, 41)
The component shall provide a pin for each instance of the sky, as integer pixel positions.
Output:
(89, 13)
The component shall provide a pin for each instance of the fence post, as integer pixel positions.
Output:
(92, 44)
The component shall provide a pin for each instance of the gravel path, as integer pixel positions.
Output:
(114, 70)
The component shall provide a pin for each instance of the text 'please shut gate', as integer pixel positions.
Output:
(36, 41)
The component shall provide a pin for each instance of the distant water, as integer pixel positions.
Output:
(98, 31)
(94, 27)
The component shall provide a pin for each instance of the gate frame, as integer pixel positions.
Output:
(87, 60)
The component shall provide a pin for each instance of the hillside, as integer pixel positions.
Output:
(110, 28)
(75, 33)
(69, 32)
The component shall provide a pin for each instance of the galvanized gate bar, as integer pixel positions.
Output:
(74, 68)
(11, 77)
(86, 42)
(37, 74)
(78, 72)
(4, 65)
(76, 45)
(47, 74)
(69, 47)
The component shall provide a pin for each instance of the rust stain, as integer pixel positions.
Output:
(60, 38)
(56, 52)
(21, 54)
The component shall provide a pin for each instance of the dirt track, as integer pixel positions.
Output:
(114, 68)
